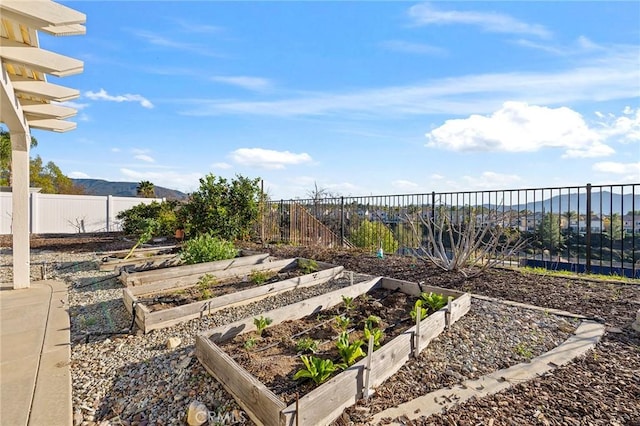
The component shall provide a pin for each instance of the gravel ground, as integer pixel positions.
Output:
(135, 380)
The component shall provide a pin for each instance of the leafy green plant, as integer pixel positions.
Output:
(249, 343)
(222, 208)
(434, 301)
(377, 334)
(150, 226)
(371, 322)
(523, 350)
(206, 281)
(261, 323)
(316, 369)
(205, 248)
(205, 294)
(418, 310)
(133, 220)
(307, 344)
(307, 266)
(348, 302)
(349, 352)
(260, 277)
(342, 322)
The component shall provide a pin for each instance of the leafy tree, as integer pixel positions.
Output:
(146, 189)
(5, 156)
(549, 232)
(223, 209)
(51, 179)
(613, 227)
(370, 235)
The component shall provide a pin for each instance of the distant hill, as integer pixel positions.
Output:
(604, 202)
(124, 189)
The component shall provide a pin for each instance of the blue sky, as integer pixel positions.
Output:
(357, 97)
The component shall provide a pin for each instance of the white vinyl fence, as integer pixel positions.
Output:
(70, 214)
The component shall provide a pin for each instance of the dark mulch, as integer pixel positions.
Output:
(601, 388)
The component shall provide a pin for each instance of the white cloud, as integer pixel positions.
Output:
(610, 76)
(404, 185)
(436, 176)
(625, 128)
(245, 82)
(102, 95)
(425, 14)
(78, 175)
(519, 127)
(409, 47)
(617, 168)
(144, 157)
(186, 182)
(581, 45)
(159, 40)
(267, 158)
(491, 180)
(221, 166)
(115, 150)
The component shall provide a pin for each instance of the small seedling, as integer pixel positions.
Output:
(523, 350)
(206, 294)
(418, 310)
(307, 266)
(316, 369)
(372, 322)
(206, 281)
(343, 322)
(377, 334)
(260, 277)
(261, 323)
(348, 303)
(249, 343)
(434, 301)
(307, 345)
(349, 352)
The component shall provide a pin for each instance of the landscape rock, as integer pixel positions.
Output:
(197, 413)
(173, 342)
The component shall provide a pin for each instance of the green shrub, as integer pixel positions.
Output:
(205, 248)
(223, 209)
(370, 235)
(135, 220)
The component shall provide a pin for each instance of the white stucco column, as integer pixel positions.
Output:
(20, 142)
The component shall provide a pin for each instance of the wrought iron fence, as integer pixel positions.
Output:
(591, 228)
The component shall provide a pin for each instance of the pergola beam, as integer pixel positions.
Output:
(40, 60)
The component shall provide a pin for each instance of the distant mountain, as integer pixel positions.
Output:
(124, 189)
(603, 202)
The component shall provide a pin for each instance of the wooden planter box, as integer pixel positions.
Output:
(189, 273)
(148, 320)
(141, 259)
(326, 402)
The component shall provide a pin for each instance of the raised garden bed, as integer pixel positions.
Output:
(189, 273)
(141, 259)
(166, 303)
(271, 401)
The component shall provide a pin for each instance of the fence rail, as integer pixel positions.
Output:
(590, 228)
(69, 214)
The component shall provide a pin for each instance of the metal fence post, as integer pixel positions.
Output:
(281, 220)
(342, 221)
(588, 226)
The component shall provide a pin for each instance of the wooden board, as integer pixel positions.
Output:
(262, 406)
(146, 277)
(141, 263)
(323, 404)
(168, 317)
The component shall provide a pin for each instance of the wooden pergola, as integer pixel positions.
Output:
(28, 101)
